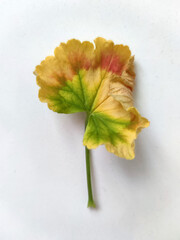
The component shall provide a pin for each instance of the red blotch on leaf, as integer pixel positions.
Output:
(112, 63)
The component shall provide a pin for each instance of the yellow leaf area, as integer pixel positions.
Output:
(99, 81)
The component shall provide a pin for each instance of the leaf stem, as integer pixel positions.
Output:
(91, 202)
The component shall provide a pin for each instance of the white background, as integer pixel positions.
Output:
(43, 192)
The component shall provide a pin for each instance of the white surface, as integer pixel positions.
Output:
(43, 192)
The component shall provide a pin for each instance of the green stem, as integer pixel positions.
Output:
(91, 202)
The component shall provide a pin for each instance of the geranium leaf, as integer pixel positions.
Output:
(99, 82)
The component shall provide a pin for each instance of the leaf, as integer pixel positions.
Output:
(98, 81)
